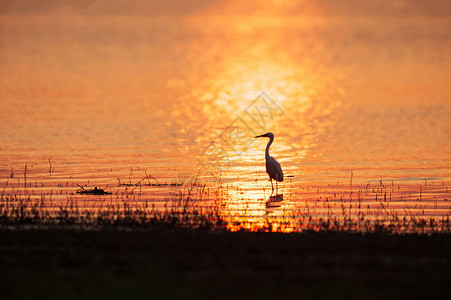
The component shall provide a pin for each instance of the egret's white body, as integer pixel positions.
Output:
(273, 168)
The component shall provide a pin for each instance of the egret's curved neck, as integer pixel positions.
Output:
(271, 139)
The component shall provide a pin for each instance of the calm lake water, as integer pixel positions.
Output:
(356, 94)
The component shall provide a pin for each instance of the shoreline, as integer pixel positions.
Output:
(189, 264)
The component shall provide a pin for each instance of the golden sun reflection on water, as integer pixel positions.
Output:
(244, 73)
(254, 209)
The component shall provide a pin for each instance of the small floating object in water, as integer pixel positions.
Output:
(94, 191)
(274, 201)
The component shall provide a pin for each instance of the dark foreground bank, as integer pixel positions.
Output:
(183, 264)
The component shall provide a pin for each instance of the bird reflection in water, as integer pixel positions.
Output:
(274, 201)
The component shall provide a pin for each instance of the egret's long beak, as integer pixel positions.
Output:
(263, 135)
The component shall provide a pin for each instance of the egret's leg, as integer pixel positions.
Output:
(277, 188)
(272, 186)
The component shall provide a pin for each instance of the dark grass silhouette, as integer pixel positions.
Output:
(182, 210)
(191, 264)
(118, 250)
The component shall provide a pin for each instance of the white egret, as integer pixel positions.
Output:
(272, 166)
